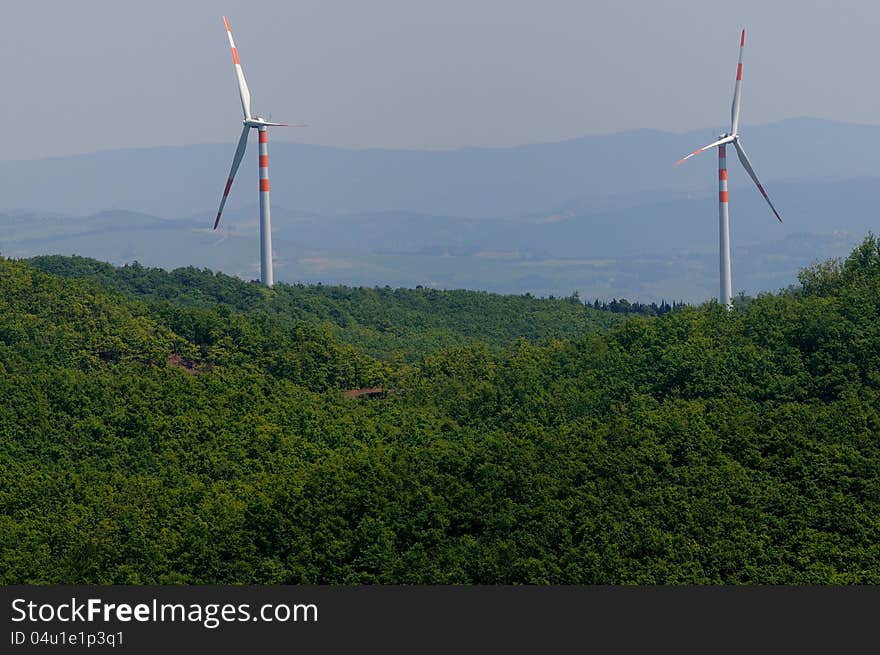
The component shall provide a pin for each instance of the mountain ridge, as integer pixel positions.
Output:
(171, 181)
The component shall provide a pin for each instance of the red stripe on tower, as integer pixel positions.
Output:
(264, 185)
(722, 174)
(264, 161)
(722, 196)
(263, 135)
(722, 150)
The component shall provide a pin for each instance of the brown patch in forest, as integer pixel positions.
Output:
(187, 365)
(368, 392)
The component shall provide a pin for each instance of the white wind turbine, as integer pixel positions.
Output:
(721, 143)
(252, 122)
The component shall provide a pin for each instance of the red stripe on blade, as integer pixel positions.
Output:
(228, 186)
(235, 56)
(226, 23)
(739, 72)
(217, 220)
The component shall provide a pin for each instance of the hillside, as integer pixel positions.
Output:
(700, 446)
(385, 322)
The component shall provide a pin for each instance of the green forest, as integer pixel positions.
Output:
(188, 427)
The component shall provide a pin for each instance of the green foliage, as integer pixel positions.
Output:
(395, 324)
(184, 427)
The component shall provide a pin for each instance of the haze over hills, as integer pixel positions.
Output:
(475, 182)
(607, 216)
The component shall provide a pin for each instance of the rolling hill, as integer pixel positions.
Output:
(183, 428)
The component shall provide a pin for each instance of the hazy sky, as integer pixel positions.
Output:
(88, 75)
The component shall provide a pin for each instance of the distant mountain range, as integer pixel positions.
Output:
(472, 182)
(607, 216)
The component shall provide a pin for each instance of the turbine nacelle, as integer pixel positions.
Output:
(259, 122)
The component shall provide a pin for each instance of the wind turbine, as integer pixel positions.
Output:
(252, 122)
(721, 143)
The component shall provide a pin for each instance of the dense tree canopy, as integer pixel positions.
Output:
(187, 427)
(400, 324)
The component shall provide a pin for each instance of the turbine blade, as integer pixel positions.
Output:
(726, 139)
(239, 153)
(744, 160)
(242, 84)
(734, 108)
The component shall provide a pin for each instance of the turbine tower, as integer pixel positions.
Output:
(723, 218)
(258, 123)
